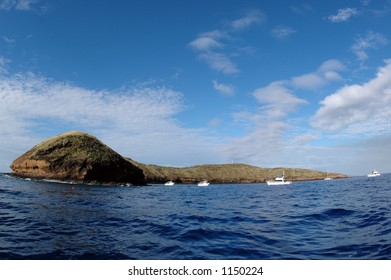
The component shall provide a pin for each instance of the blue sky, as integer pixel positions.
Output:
(268, 83)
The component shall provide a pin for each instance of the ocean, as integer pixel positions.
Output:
(338, 219)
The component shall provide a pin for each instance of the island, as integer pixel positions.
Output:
(79, 157)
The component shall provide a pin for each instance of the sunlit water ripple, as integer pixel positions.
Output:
(338, 219)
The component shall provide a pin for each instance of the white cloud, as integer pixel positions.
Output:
(217, 47)
(7, 4)
(224, 89)
(343, 15)
(267, 143)
(273, 137)
(362, 108)
(206, 45)
(372, 40)
(137, 122)
(207, 41)
(282, 32)
(305, 138)
(3, 63)
(215, 122)
(23, 5)
(254, 17)
(30, 100)
(258, 146)
(219, 62)
(8, 40)
(279, 100)
(326, 73)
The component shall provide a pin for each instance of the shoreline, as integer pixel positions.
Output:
(152, 183)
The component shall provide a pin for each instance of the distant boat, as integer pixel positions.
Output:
(374, 173)
(169, 183)
(280, 180)
(203, 183)
(327, 177)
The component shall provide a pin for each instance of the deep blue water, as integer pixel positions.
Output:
(338, 219)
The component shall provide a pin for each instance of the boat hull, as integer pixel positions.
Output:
(374, 173)
(278, 183)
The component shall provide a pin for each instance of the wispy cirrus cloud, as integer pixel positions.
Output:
(370, 41)
(25, 6)
(282, 32)
(253, 17)
(343, 15)
(219, 62)
(210, 50)
(8, 40)
(22, 5)
(216, 47)
(302, 9)
(224, 89)
(3, 62)
(207, 41)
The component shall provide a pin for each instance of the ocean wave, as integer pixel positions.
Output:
(46, 220)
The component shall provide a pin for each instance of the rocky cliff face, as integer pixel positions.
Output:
(76, 156)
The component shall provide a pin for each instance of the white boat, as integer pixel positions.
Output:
(327, 177)
(169, 183)
(203, 183)
(278, 181)
(374, 173)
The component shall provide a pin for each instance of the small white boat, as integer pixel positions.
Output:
(327, 177)
(169, 183)
(278, 181)
(203, 183)
(374, 173)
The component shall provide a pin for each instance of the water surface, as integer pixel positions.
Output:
(337, 219)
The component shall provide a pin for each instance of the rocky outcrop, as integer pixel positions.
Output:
(77, 156)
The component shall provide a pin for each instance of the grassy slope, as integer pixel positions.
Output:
(73, 146)
(227, 173)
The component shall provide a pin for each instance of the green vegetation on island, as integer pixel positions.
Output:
(76, 156)
(227, 173)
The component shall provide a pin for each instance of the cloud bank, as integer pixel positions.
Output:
(362, 107)
(137, 122)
